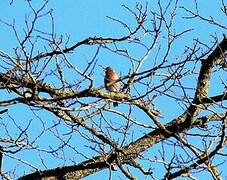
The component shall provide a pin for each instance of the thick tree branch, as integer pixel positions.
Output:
(130, 152)
(204, 158)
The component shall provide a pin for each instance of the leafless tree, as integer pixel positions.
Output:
(68, 128)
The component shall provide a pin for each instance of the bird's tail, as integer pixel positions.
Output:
(115, 104)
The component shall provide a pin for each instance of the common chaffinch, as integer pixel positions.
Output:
(109, 82)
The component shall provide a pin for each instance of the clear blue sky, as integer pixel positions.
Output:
(87, 18)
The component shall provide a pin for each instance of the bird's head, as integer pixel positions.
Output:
(108, 68)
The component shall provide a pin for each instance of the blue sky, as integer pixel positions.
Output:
(88, 18)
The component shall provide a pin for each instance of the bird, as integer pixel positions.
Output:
(109, 82)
